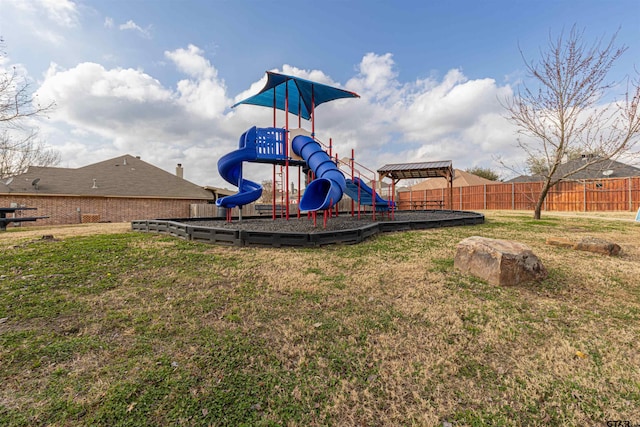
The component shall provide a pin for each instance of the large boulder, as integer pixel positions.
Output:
(500, 262)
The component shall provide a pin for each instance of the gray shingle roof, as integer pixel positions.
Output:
(605, 169)
(123, 176)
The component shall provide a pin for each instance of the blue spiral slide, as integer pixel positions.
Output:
(230, 168)
(329, 186)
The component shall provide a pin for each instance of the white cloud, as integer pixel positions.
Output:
(45, 19)
(63, 12)
(123, 110)
(108, 22)
(112, 111)
(204, 94)
(104, 101)
(192, 62)
(376, 78)
(130, 25)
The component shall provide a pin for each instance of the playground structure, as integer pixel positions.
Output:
(326, 182)
(328, 178)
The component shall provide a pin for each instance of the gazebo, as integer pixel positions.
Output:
(439, 169)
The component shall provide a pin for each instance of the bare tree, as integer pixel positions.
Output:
(17, 153)
(267, 191)
(565, 111)
(19, 145)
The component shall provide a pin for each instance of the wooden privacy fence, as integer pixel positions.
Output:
(206, 210)
(611, 194)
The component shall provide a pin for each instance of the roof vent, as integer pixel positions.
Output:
(124, 162)
(94, 184)
(35, 183)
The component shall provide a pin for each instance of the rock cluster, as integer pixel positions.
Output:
(589, 244)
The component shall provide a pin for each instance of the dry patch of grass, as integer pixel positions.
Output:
(16, 235)
(138, 329)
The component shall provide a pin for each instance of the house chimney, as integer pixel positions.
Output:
(179, 171)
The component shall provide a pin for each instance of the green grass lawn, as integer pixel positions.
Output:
(143, 329)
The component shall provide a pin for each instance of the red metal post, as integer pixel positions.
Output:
(273, 182)
(338, 166)
(273, 190)
(286, 146)
(373, 198)
(299, 192)
(326, 214)
(281, 194)
(310, 178)
(313, 115)
(359, 196)
(274, 107)
(352, 176)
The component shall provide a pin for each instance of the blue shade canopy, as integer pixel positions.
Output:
(304, 95)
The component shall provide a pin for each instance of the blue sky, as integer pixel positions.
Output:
(157, 78)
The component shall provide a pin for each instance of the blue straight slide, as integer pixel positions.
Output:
(365, 194)
(328, 187)
(230, 168)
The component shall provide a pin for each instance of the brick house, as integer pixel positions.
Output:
(121, 189)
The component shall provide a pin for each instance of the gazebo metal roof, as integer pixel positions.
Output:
(397, 171)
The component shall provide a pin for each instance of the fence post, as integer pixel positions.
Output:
(630, 195)
(485, 197)
(584, 196)
(460, 190)
(513, 196)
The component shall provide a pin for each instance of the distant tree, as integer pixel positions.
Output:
(267, 192)
(19, 145)
(486, 173)
(563, 111)
(18, 153)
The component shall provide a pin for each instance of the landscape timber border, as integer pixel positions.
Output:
(181, 227)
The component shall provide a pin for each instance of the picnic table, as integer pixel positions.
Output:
(425, 204)
(4, 220)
